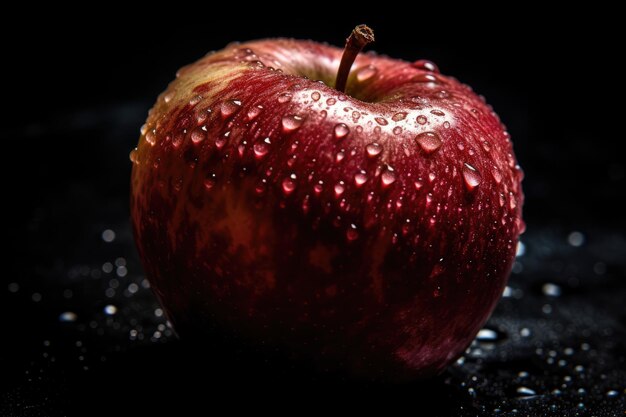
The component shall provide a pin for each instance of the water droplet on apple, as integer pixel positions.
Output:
(381, 121)
(437, 113)
(512, 201)
(261, 187)
(443, 94)
(425, 65)
(425, 78)
(471, 176)
(195, 100)
(431, 176)
(331, 101)
(399, 116)
(230, 107)
(460, 145)
(360, 178)
(352, 234)
(356, 115)
(497, 175)
(317, 188)
(254, 112)
(289, 184)
(134, 156)
(397, 130)
(291, 123)
(143, 129)
(340, 155)
(365, 73)
(502, 199)
(388, 177)
(284, 97)
(168, 96)
(261, 148)
(429, 198)
(315, 95)
(421, 119)
(197, 135)
(341, 131)
(428, 141)
(526, 392)
(446, 125)
(373, 149)
(151, 137)
(177, 140)
(339, 189)
(418, 184)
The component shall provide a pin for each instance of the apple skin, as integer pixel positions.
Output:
(370, 232)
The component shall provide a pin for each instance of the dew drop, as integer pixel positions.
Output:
(230, 107)
(352, 234)
(315, 95)
(425, 78)
(356, 115)
(381, 121)
(422, 119)
(339, 189)
(425, 65)
(502, 200)
(197, 135)
(487, 335)
(340, 155)
(497, 175)
(151, 137)
(254, 112)
(388, 177)
(397, 130)
(512, 201)
(261, 148)
(284, 97)
(526, 392)
(143, 129)
(168, 96)
(437, 113)
(471, 176)
(418, 184)
(428, 141)
(341, 131)
(373, 149)
(291, 123)
(551, 290)
(486, 146)
(317, 188)
(399, 116)
(134, 156)
(360, 178)
(612, 393)
(289, 184)
(446, 125)
(365, 73)
(331, 101)
(431, 176)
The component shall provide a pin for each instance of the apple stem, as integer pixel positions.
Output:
(360, 36)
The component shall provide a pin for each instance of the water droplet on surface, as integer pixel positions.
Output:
(502, 200)
(425, 65)
(254, 112)
(168, 96)
(341, 131)
(428, 141)
(487, 335)
(340, 155)
(134, 156)
(397, 130)
(230, 107)
(110, 310)
(197, 135)
(261, 187)
(418, 184)
(612, 393)
(525, 391)
(209, 183)
(289, 184)
(339, 189)
(443, 94)
(471, 176)
(352, 234)
(446, 125)
(399, 116)
(360, 178)
(317, 188)
(284, 97)
(388, 177)
(512, 201)
(316, 95)
(151, 137)
(261, 148)
(422, 119)
(292, 122)
(331, 101)
(365, 73)
(425, 78)
(381, 121)
(486, 146)
(373, 149)
(497, 175)
(356, 115)
(437, 113)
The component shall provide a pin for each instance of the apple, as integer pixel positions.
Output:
(369, 231)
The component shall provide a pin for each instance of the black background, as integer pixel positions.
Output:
(78, 91)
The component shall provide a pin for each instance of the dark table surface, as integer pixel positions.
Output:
(83, 334)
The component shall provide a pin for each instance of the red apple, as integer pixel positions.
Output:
(370, 231)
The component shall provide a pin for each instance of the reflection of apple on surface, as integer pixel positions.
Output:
(370, 231)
